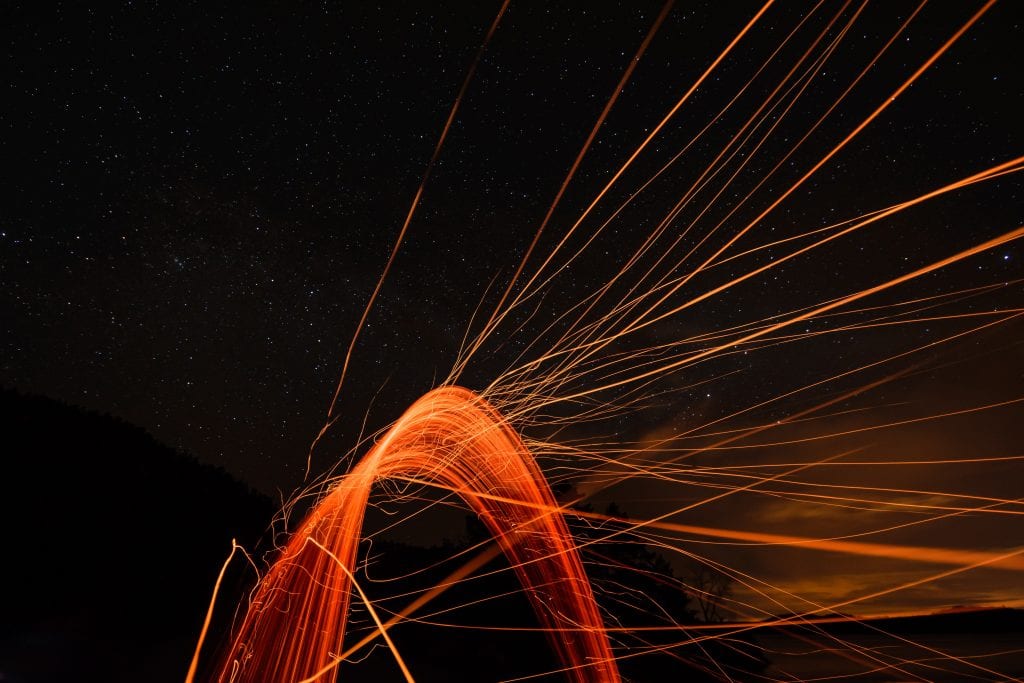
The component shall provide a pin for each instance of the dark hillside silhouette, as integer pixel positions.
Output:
(112, 542)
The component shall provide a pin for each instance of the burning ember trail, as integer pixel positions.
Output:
(296, 623)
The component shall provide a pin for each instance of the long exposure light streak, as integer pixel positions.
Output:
(405, 225)
(653, 134)
(297, 620)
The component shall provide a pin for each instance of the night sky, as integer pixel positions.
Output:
(199, 198)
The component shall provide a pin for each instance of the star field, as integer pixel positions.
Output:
(198, 200)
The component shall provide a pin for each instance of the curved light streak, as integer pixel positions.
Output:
(295, 624)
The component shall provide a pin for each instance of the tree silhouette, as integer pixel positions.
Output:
(711, 589)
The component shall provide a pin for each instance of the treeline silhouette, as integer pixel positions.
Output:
(113, 541)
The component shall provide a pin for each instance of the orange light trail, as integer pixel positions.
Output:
(927, 555)
(405, 227)
(297, 616)
(1013, 165)
(636, 153)
(582, 153)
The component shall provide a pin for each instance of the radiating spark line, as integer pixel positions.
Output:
(825, 159)
(405, 225)
(884, 463)
(887, 425)
(924, 554)
(663, 225)
(801, 619)
(793, 149)
(1016, 164)
(657, 129)
(369, 608)
(576, 163)
(194, 664)
(985, 246)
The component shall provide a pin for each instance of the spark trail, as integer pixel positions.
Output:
(296, 622)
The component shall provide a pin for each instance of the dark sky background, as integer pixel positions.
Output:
(198, 199)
